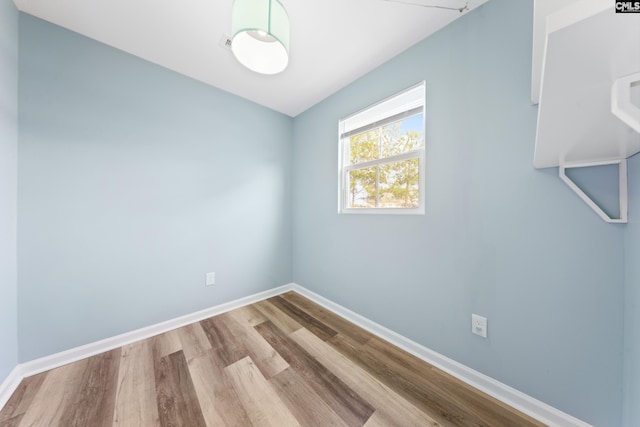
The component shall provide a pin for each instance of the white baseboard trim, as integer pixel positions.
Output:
(512, 397)
(72, 355)
(9, 385)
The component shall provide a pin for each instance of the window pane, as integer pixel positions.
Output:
(399, 184)
(402, 136)
(382, 150)
(365, 146)
(362, 188)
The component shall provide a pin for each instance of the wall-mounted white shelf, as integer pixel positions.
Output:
(625, 100)
(541, 10)
(589, 111)
(582, 60)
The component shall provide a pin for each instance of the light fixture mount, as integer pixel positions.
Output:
(260, 38)
(432, 6)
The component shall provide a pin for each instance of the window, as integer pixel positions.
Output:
(382, 156)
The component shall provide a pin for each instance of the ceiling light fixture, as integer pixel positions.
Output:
(260, 39)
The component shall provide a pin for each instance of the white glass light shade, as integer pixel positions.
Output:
(260, 35)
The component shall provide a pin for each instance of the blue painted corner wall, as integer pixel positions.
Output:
(632, 300)
(8, 187)
(499, 238)
(135, 181)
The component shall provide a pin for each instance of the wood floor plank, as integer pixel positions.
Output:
(456, 392)
(12, 422)
(222, 340)
(94, 399)
(341, 398)
(219, 403)
(482, 406)
(390, 406)
(428, 400)
(442, 403)
(281, 321)
(136, 391)
(329, 318)
(166, 344)
(262, 354)
(303, 402)
(56, 395)
(233, 341)
(218, 400)
(383, 419)
(178, 403)
(194, 341)
(22, 398)
(263, 405)
(311, 323)
(249, 315)
(377, 420)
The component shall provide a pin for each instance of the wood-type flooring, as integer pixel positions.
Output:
(284, 361)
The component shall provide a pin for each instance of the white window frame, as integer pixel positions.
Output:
(373, 116)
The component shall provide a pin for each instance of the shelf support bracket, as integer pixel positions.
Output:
(622, 186)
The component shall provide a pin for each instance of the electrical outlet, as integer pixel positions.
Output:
(211, 279)
(479, 325)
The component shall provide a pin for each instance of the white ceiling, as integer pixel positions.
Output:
(333, 42)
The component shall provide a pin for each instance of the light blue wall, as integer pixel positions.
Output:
(499, 238)
(632, 300)
(8, 186)
(134, 182)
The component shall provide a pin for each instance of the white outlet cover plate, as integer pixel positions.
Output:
(479, 325)
(211, 279)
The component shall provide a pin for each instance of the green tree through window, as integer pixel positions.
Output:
(382, 156)
(392, 184)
